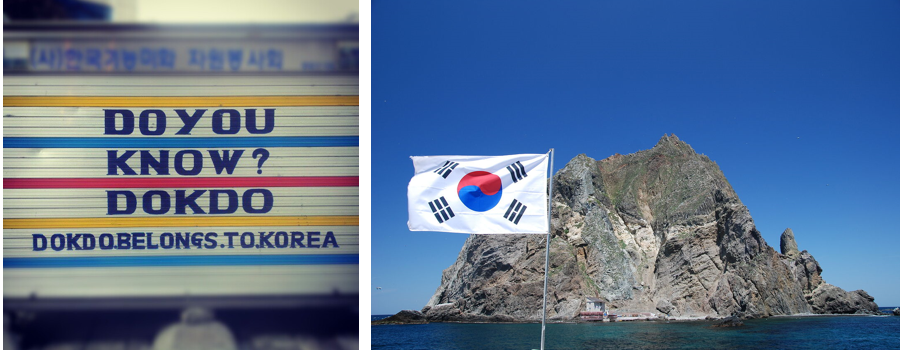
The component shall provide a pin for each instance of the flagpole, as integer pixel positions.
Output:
(547, 258)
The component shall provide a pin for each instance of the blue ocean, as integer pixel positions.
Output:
(819, 332)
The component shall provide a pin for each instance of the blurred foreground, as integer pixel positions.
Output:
(194, 328)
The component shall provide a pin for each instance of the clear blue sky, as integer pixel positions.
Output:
(798, 102)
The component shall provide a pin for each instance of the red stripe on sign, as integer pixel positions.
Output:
(280, 181)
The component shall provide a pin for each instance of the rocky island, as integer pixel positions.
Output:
(658, 231)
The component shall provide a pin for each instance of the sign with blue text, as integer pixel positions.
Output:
(167, 185)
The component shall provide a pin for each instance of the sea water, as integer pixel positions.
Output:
(813, 332)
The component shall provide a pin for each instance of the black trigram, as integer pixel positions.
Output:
(441, 210)
(515, 211)
(445, 169)
(517, 171)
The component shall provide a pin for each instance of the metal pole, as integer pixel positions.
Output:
(547, 259)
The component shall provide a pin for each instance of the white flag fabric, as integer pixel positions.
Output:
(479, 194)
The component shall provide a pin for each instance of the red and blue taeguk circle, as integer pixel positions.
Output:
(480, 190)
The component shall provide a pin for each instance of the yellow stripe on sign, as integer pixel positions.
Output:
(178, 101)
(235, 221)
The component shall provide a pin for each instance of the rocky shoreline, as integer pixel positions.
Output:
(407, 317)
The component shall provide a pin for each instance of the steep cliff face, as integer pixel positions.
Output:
(660, 230)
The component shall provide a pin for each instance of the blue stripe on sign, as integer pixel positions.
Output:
(180, 142)
(194, 260)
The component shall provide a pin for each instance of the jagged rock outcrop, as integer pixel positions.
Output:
(403, 317)
(828, 299)
(658, 230)
(825, 298)
(789, 244)
(729, 321)
(664, 306)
